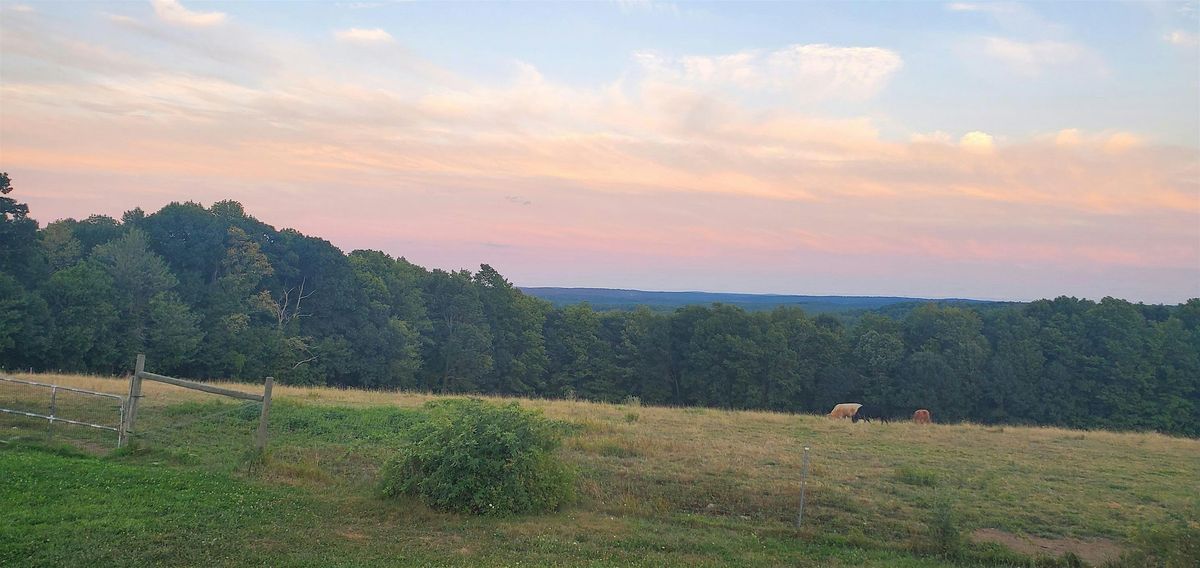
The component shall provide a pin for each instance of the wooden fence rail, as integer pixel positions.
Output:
(135, 394)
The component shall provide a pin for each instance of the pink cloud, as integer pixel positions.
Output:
(658, 170)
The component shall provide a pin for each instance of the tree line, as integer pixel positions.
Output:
(213, 292)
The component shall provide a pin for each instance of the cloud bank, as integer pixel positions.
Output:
(810, 72)
(364, 36)
(678, 167)
(172, 12)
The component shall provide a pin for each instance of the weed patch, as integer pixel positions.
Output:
(916, 476)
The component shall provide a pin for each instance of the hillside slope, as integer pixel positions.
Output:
(611, 299)
(656, 487)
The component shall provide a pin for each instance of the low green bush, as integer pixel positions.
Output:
(480, 458)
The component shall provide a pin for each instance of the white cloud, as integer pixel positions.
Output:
(172, 12)
(648, 6)
(936, 137)
(1011, 16)
(1122, 141)
(1031, 58)
(988, 7)
(1182, 38)
(22, 8)
(1068, 137)
(812, 71)
(1109, 141)
(122, 19)
(977, 142)
(364, 36)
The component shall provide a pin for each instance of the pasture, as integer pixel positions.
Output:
(655, 487)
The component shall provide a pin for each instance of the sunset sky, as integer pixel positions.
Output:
(1000, 150)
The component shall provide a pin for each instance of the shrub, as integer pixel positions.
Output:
(475, 457)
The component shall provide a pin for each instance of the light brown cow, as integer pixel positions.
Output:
(922, 417)
(845, 410)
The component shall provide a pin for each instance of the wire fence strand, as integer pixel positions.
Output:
(158, 431)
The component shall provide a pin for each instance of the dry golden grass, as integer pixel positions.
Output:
(867, 481)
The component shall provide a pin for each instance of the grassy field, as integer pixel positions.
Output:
(656, 487)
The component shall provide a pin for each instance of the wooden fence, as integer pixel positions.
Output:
(135, 394)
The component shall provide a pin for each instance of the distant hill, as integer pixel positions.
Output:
(614, 299)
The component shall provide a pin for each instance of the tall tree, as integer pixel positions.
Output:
(581, 363)
(25, 326)
(945, 368)
(390, 343)
(724, 357)
(59, 245)
(459, 355)
(234, 318)
(516, 322)
(644, 356)
(151, 315)
(19, 253)
(85, 334)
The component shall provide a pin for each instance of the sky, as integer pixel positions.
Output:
(932, 149)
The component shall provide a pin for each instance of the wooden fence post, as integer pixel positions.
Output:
(135, 393)
(260, 439)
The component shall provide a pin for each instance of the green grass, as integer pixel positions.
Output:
(64, 509)
(671, 488)
(916, 476)
(73, 510)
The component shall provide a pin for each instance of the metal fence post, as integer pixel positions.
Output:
(121, 425)
(53, 412)
(803, 487)
(260, 439)
(53, 416)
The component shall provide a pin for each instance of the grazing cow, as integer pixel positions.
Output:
(844, 410)
(922, 417)
(869, 413)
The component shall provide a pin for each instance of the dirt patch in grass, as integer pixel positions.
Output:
(1095, 552)
(352, 535)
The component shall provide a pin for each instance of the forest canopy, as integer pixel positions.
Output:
(213, 292)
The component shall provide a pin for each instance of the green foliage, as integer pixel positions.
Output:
(475, 457)
(213, 292)
(86, 322)
(20, 255)
(458, 357)
(581, 362)
(25, 325)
